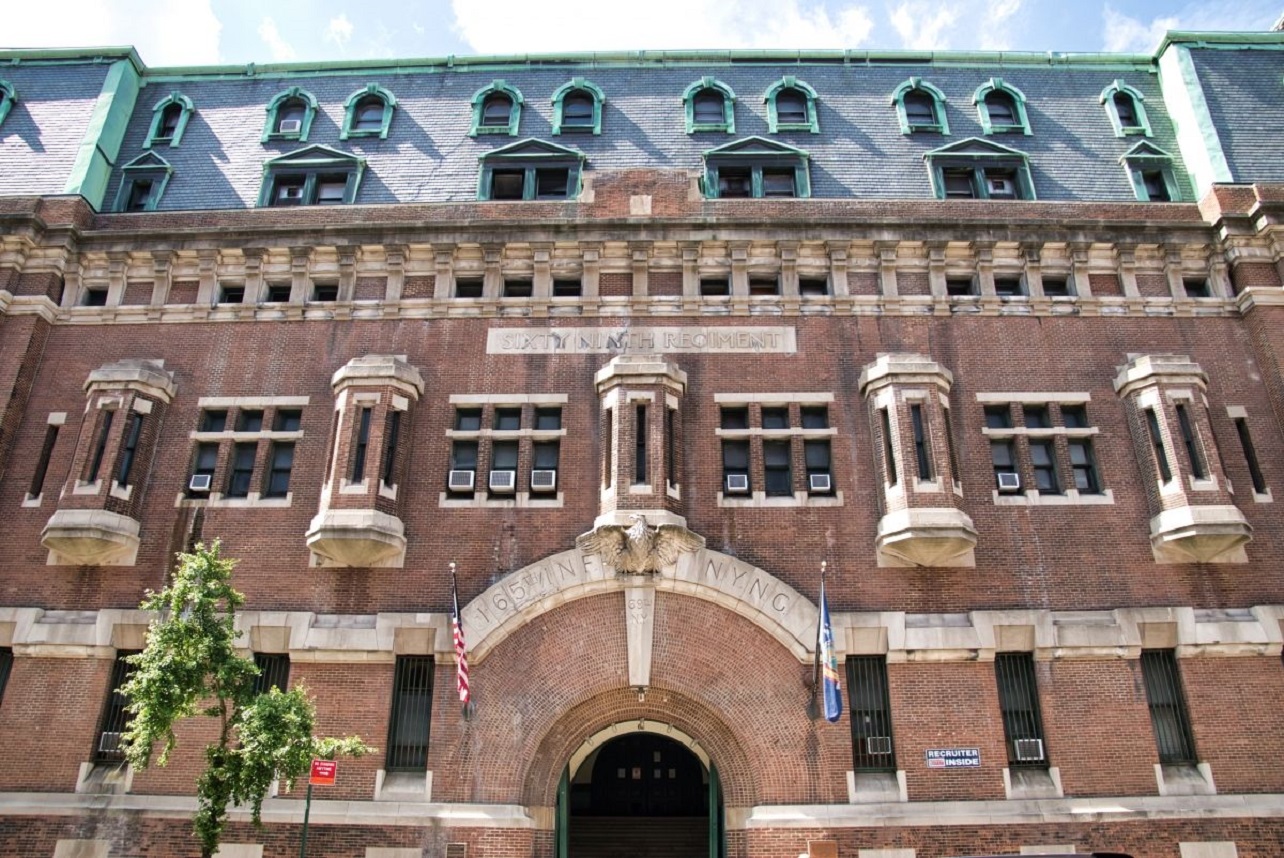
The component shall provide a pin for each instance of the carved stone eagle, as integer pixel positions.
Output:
(639, 549)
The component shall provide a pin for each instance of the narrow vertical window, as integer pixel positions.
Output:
(42, 464)
(950, 451)
(363, 443)
(203, 465)
(6, 667)
(241, 478)
(1019, 703)
(1003, 459)
(1198, 467)
(871, 713)
(1084, 467)
(639, 437)
(127, 455)
(545, 457)
(816, 456)
(670, 444)
(1168, 713)
(1157, 445)
(921, 451)
(274, 672)
(1250, 455)
(777, 474)
(1045, 468)
(280, 463)
(735, 467)
(608, 445)
(411, 714)
(889, 455)
(463, 467)
(100, 446)
(391, 435)
(115, 717)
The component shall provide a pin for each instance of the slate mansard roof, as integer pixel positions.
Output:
(860, 151)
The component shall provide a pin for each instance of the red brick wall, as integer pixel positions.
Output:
(1237, 733)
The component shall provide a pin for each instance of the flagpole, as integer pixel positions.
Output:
(813, 710)
(457, 632)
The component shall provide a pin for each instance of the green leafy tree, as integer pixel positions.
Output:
(190, 667)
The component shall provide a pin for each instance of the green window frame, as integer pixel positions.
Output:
(1150, 172)
(710, 84)
(1140, 125)
(756, 161)
(481, 96)
(939, 125)
(811, 122)
(8, 98)
(524, 165)
(981, 97)
(982, 162)
(311, 170)
(271, 126)
(157, 133)
(142, 183)
(595, 94)
(350, 116)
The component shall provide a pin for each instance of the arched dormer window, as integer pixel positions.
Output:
(497, 109)
(1001, 108)
(169, 120)
(8, 97)
(791, 106)
(577, 108)
(920, 107)
(710, 106)
(289, 115)
(368, 113)
(1126, 108)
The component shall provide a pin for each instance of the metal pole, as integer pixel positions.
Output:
(307, 810)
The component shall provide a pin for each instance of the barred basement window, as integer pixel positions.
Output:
(411, 714)
(1198, 468)
(274, 672)
(100, 445)
(1019, 703)
(1250, 455)
(1168, 713)
(242, 476)
(281, 461)
(6, 667)
(115, 718)
(42, 464)
(871, 714)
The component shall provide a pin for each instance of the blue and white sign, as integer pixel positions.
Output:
(953, 758)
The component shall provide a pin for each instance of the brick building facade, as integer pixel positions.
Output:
(995, 337)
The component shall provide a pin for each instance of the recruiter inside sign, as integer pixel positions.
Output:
(953, 758)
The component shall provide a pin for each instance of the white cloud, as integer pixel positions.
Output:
(997, 27)
(282, 51)
(339, 31)
(1129, 35)
(165, 33)
(1124, 33)
(591, 25)
(924, 26)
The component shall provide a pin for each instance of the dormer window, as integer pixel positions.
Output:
(142, 183)
(577, 111)
(1150, 170)
(707, 107)
(920, 107)
(1001, 108)
(791, 106)
(497, 109)
(289, 118)
(289, 115)
(368, 113)
(531, 170)
(710, 105)
(756, 168)
(314, 176)
(577, 108)
(169, 120)
(1126, 110)
(978, 169)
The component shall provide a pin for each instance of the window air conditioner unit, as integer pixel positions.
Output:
(290, 126)
(1000, 186)
(503, 481)
(543, 480)
(199, 483)
(819, 482)
(461, 481)
(109, 743)
(737, 484)
(878, 745)
(1009, 481)
(291, 192)
(1029, 750)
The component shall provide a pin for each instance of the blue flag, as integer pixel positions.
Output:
(829, 663)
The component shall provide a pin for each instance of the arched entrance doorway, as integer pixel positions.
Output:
(640, 795)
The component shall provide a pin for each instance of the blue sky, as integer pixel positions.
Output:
(188, 32)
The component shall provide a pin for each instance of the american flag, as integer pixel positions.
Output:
(461, 649)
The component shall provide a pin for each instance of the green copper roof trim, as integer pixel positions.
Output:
(1221, 40)
(104, 133)
(8, 97)
(1197, 137)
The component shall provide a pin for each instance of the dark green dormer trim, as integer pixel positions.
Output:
(756, 167)
(498, 89)
(728, 123)
(8, 98)
(1020, 120)
(976, 168)
(1150, 172)
(142, 183)
(939, 124)
(352, 126)
(530, 169)
(313, 175)
(1139, 124)
(593, 92)
(167, 127)
(272, 127)
(810, 121)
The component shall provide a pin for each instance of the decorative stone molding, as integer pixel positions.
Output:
(926, 537)
(144, 376)
(379, 370)
(90, 537)
(356, 537)
(1200, 534)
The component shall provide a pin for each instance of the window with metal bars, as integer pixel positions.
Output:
(1168, 713)
(274, 671)
(115, 718)
(6, 666)
(1019, 703)
(411, 714)
(871, 711)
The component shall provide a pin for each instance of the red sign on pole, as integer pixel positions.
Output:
(323, 772)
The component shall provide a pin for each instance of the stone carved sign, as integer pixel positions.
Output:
(520, 596)
(729, 339)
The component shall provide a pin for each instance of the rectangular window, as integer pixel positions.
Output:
(1056, 287)
(567, 289)
(280, 463)
(463, 456)
(95, 298)
(278, 293)
(1168, 713)
(670, 444)
(735, 182)
(734, 418)
(1198, 468)
(231, 295)
(778, 183)
(1045, 468)
(955, 474)
(507, 184)
(325, 292)
(274, 672)
(468, 287)
(817, 458)
(518, 288)
(735, 464)
(361, 447)
(411, 714)
(238, 484)
(814, 416)
(1084, 466)
(763, 286)
(1250, 455)
(922, 453)
(249, 421)
(508, 419)
(545, 455)
(813, 287)
(213, 421)
(391, 437)
(715, 286)
(958, 184)
(871, 711)
(777, 473)
(42, 464)
(1036, 417)
(1019, 703)
(639, 440)
(1074, 416)
(1157, 445)
(552, 183)
(1001, 184)
(140, 194)
(1156, 187)
(1197, 288)
(6, 667)
(889, 454)
(1008, 287)
(608, 446)
(548, 419)
(468, 419)
(998, 417)
(503, 459)
(775, 418)
(115, 718)
(959, 287)
(205, 462)
(1003, 459)
(286, 420)
(100, 445)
